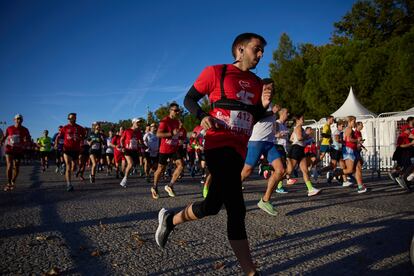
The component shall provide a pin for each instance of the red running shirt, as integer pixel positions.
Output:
(235, 126)
(349, 144)
(131, 139)
(169, 145)
(116, 141)
(73, 136)
(311, 148)
(403, 139)
(182, 136)
(17, 139)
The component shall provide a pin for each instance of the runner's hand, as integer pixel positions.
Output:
(209, 122)
(267, 94)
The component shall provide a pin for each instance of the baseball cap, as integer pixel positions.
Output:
(134, 120)
(18, 116)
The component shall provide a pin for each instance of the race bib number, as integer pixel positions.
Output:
(96, 146)
(14, 139)
(241, 121)
(73, 136)
(172, 142)
(133, 144)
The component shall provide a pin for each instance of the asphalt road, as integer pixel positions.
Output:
(104, 229)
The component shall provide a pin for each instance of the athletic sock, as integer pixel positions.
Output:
(309, 185)
(170, 224)
(280, 185)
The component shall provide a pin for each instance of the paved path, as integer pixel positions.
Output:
(103, 229)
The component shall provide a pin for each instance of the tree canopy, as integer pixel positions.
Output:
(372, 50)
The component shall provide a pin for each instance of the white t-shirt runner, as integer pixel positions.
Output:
(152, 142)
(264, 130)
(282, 129)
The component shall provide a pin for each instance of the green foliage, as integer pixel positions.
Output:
(376, 21)
(124, 123)
(372, 51)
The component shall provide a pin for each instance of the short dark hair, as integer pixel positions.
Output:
(174, 105)
(245, 38)
(297, 117)
(71, 114)
(409, 119)
(267, 80)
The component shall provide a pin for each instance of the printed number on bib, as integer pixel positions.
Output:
(133, 144)
(14, 139)
(241, 120)
(96, 146)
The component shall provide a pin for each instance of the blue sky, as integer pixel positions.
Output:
(109, 60)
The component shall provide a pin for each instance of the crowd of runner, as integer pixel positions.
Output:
(164, 151)
(231, 140)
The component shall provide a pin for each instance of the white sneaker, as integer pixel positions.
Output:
(123, 182)
(410, 177)
(314, 192)
(347, 183)
(400, 180)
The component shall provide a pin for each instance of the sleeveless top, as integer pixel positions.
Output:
(295, 140)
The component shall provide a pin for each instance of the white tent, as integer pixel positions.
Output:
(352, 106)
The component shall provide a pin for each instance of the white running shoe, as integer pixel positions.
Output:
(410, 177)
(347, 183)
(314, 192)
(123, 182)
(169, 190)
(401, 182)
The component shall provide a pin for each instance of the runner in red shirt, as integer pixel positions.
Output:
(169, 133)
(73, 135)
(118, 154)
(238, 99)
(17, 137)
(192, 148)
(130, 141)
(402, 155)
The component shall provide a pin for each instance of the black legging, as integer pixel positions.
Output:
(225, 166)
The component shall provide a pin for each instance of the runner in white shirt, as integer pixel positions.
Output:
(282, 145)
(261, 142)
(152, 142)
(109, 152)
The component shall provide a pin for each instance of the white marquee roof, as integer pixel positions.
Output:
(352, 106)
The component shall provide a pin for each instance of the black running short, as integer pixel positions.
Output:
(225, 165)
(133, 154)
(296, 152)
(74, 154)
(336, 154)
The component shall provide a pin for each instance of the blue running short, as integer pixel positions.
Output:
(255, 149)
(348, 154)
